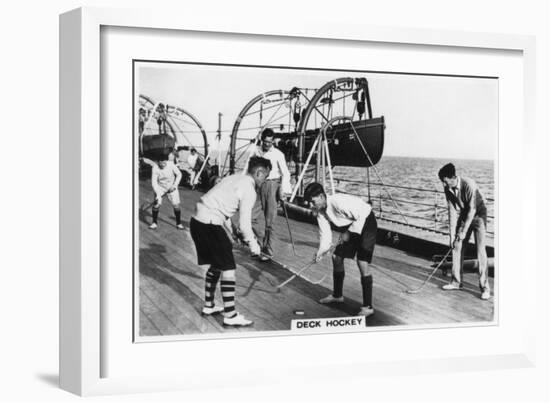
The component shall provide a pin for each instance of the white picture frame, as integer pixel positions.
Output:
(83, 342)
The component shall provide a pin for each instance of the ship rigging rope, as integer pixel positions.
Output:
(377, 173)
(146, 124)
(246, 151)
(183, 134)
(334, 100)
(180, 119)
(273, 120)
(316, 108)
(155, 106)
(282, 102)
(343, 97)
(228, 131)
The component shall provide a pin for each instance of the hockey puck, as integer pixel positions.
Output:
(299, 312)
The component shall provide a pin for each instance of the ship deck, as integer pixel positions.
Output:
(171, 284)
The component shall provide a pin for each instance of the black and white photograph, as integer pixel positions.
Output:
(271, 200)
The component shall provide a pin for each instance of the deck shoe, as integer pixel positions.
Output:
(153, 226)
(237, 320)
(329, 299)
(452, 286)
(366, 311)
(265, 258)
(211, 310)
(486, 294)
(179, 226)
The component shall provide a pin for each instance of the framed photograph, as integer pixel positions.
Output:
(257, 194)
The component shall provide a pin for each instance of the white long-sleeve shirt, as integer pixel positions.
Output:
(342, 210)
(234, 193)
(279, 170)
(192, 160)
(163, 179)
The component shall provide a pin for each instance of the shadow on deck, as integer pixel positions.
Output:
(171, 284)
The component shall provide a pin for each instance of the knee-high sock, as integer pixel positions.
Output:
(155, 214)
(366, 283)
(177, 213)
(228, 296)
(338, 281)
(211, 280)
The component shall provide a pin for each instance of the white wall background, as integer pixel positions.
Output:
(29, 206)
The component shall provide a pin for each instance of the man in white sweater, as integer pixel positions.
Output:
(357, 220)
(165, 178)
(214, 248)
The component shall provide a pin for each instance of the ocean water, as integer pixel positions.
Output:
(411, 188)
(407, 189)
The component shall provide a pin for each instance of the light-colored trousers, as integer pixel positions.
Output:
(266, 203)
(479, 228)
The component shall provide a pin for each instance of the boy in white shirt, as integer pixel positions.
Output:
(358, 239)
(165, 178)
(192, 163)
(214, 248)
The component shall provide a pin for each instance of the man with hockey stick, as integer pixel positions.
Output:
(467, 214)
(165, 178)
(357, 240)
(214, 248)
(276, 186)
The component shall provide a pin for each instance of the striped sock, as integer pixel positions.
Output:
(338, 283)
(366, 283)
(210, 283)
(228, 296)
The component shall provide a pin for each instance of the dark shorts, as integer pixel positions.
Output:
(360, 245)
(213, 245)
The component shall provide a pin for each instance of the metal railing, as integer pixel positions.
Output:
(433, 217)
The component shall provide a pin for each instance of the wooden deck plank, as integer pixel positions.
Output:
(147, 328)
(182, 288)
(187, 321)
(193, 284)
(174, 283)
(156, 315)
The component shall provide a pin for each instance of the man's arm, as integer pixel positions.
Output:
(155, 183)
(228, 225)
(177, 177)
(246, 204)
(325, 236)
(148, 161)
(470, 207)
(453, 217)
(286, 187)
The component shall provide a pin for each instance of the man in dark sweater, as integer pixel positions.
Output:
(467, 214)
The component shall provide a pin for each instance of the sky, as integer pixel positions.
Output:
(426, 116)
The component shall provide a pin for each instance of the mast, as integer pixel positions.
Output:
(219, 138)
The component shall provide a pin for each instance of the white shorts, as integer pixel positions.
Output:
(174, 198)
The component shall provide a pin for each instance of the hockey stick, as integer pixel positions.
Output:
(302, 269)
(416, 291)
(288, 226)
(154, 201)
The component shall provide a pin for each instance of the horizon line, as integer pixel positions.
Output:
(441, 158)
